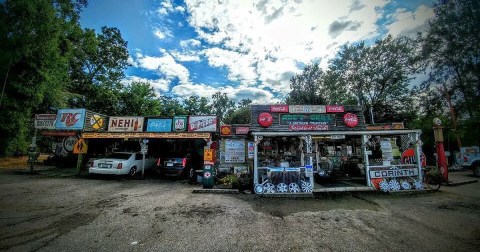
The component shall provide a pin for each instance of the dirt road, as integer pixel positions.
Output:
(42, 213)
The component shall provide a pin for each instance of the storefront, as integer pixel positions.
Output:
(315, 148)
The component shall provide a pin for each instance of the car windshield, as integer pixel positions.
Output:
(119, 155)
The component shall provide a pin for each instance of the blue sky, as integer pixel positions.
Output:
(247, 49)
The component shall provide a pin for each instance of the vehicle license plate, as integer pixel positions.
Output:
(105, 165)
(169, 164)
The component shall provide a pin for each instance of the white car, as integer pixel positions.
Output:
(120, 163)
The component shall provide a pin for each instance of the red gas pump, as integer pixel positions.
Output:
(442, 160)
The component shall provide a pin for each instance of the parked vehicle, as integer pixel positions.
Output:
(469, 157)
(121, 163)
(173, 166)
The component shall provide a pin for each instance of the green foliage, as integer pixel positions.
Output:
(195, 105)
(139, 99)
(305, 86)
(170, 107)
(222, 106)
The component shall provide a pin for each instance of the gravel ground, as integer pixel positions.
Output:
(53, 213)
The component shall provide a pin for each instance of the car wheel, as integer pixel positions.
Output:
(476, 169)
(132, 172)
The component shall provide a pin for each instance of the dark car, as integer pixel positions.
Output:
(174, 166)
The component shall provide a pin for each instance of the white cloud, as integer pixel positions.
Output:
(159, 85)
(162, 34)
(189, 43)
(167, 7)
(257, 95)
(186, 55)
(409, 23)
(165, 66)
(264, 41)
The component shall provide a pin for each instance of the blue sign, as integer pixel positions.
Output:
(159, 125)
(70, 119)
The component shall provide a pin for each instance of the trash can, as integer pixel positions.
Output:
(208, 176)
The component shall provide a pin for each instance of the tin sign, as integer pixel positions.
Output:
(279, 108)
(159, 125)
(45, 121)
(95, 122)
(179, 123)
(202, 123)
(307, 127)
(335, 109)
(251, 149)
(225, 130)
(70, 119)
(394, 173)
(307, 109)
(125, 124)
(242, 130)
(350, 119)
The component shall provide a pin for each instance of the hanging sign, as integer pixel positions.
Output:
(125, 124)
(307, 109)
(70, 119)
(265, 119)
(45, 121)
(279, 108)
(159, 125)
(335, 109)
(350, 119)
(179, 123)
(202, 123)
(225, 130)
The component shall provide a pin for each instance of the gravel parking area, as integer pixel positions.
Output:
(54, 213)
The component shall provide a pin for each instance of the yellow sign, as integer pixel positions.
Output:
(96, 122)
(209, 155)
(80, 147)
(146, 135)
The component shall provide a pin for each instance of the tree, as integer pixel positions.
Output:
(377, 75)
(195, 105)
(305, 86)
(170, 107)
(451, 49)
(35, 48)
(222, 106)
(139, 99)
(241, 115)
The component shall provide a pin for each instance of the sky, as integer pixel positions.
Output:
(244, 48)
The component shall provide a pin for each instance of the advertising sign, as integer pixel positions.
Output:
(350, 119)
(159, 125)
(279, 108)
(209, 155)
(95, 121)
(307, 127)
(265, 119)
(225, 130)
(335, 109)
(202, 123)
(251, 149)
(179, 123)
(299, 119)
(307, 109)
(68, 143)
(394, 172)
(45, 121)
(242, 130)
(125, 124)
(70, 119)
(234, 151)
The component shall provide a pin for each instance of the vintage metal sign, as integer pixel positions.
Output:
(70, 119)
(279, 108)
(80, 147)
(234, 151)
(202, 123)
(242, 130)
(335, 109)
(95, 122)
(192, 135)
(394, 172)
(307, 127)
(179, 123)
(265, 119)
(350, 119)
(58, 133)
(225, 130)
(298, 119)
(45, 121)
(321, 109)
(159, 125)
(125, 124)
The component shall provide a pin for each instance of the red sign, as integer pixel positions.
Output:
(242, 130)
(279, 108)
(335, 109)
(225, 130)
(307, 127)
(265, 119)
(350, 119)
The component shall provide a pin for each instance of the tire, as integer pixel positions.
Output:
(433, 182)
(132, 172)
(476, 169)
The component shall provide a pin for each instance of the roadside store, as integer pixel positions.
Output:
(321, 148)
